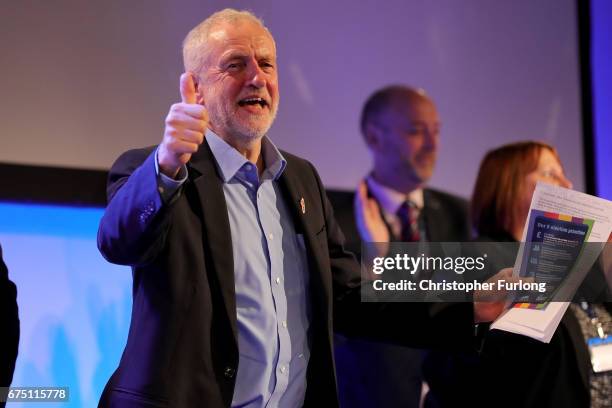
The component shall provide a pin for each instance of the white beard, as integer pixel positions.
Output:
(242, 131)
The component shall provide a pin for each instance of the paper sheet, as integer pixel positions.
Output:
(558, 217)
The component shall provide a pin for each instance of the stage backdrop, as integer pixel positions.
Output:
(601, 60)
(74, 307)
(84, 81)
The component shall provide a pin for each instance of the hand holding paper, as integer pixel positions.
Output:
(559, 225)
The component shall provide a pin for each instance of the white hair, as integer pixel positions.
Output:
(194, 44)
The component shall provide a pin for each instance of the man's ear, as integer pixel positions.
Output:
(373, 135)
(199, 90)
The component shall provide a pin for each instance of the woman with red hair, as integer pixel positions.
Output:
(513, 370)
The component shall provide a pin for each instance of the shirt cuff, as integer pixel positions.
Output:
(167, 186)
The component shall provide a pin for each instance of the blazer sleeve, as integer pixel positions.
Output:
(426, 325)
(133, 227)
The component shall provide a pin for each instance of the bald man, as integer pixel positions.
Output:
(401, 128)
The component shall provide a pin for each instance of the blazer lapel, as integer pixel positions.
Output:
(216, 228)
(304, 202)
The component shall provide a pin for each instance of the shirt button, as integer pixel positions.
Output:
(284, 323)
(300, 355)
(283, 369)
(271, 236)
(229, 372)
(277, 280)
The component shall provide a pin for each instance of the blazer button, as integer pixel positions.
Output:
(229, 372)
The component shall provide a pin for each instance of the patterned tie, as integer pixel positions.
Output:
(408, 214)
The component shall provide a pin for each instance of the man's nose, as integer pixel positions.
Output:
(255, 76)
(431, 138)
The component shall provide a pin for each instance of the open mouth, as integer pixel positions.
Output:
(253, 102)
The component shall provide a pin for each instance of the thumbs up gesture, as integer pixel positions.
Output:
(184, 133)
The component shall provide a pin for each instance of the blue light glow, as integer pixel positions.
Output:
(74, 307)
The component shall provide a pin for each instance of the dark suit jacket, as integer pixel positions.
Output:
(360, 363)
(182, 345)
(9, 321)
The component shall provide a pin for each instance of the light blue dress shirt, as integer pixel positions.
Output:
(271, 278)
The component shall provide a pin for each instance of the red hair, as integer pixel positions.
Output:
(500, 181)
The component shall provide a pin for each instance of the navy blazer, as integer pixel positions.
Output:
(182, 346)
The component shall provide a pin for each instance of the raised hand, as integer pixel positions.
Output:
(371, 226)
(186, 124)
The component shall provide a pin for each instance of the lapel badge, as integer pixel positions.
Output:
(303, 205)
